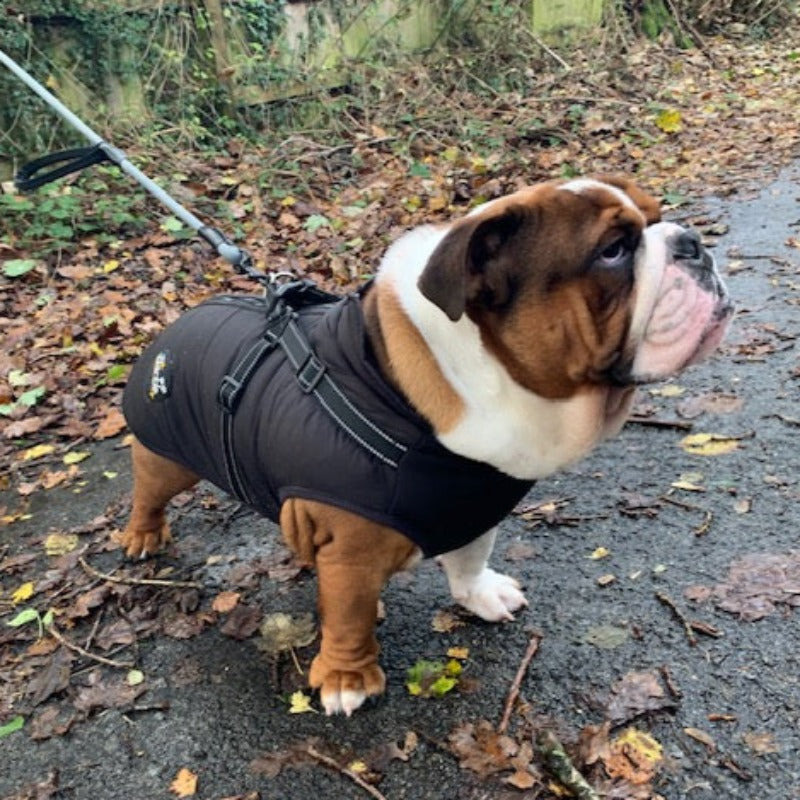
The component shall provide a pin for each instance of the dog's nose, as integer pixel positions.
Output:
(687, 245)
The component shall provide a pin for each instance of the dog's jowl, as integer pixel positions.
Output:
(407, 419)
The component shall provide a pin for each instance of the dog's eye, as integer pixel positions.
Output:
(615, 254)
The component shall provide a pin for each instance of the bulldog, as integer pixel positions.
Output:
(486, 354)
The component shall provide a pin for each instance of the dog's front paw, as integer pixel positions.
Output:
(141, 544)
(343, 691)
(490, 595)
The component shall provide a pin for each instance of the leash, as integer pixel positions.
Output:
(282, 300)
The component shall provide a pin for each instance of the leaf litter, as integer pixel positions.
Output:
(89, 321)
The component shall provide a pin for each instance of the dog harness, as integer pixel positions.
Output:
(312, 418)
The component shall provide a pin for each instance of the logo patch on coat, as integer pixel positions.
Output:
(160, 377)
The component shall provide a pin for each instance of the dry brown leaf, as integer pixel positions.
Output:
(225, 602)
(701, 736)
(184, 784)
(634, 694)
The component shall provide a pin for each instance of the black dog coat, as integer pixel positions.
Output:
(287, 445)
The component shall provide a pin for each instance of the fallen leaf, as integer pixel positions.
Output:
(635, 756)
(606, 637)
(184, 784)
(75, 457)
(281, 631)
(701, 736)
(599, 552)
(761, 743)
(37, 451)
(446, 621)
(637, 692)
(59, 544)
(52, 678)
(481, 749)
(709, 444)
(24, 592)
(757, 583)
(112, 424)
(300, 703)
(225, 602)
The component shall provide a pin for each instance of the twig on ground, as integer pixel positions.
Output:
(787, 420)
(670, 603)
(61, 639)
(654, 422)
(560, 765)
(513, 692)
(708, 517)
(330, 762)
(137, 581)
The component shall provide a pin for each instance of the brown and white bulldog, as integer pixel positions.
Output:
(518, 334)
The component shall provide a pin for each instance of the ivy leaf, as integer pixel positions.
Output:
(315, 222)
(17, 267)
(12, 725)
(23, 618)
(171, 225)
(31, 397)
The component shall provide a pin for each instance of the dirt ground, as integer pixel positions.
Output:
(684, 631)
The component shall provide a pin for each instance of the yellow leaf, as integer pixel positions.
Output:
(669, 120)
(453, 668)
(110, 265)
(135, 677)
(37, 452)
(75, 457)
(58, 544)
(185, 783)
(461, 653)
(708, 444)
(52, 83)
(300, 703)
(357, 767)
(670, 390)
(643, 744)
(23, 593)
(687, 486)
(288, 201)
(600, 552)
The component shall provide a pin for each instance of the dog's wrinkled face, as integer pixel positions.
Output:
(580, 283)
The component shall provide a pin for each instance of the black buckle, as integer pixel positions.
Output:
(310, 373)
(228, 394)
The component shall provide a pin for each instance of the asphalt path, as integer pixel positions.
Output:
(729, 724)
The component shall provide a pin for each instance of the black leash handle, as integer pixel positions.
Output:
(72, 160)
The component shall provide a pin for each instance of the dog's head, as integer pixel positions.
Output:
(580, 282)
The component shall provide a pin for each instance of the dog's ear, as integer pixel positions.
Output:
(645, 202)
(468, 263)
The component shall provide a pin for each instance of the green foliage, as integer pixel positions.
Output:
(98, 204)
(30, 614)
(14, 724)
(433, 678)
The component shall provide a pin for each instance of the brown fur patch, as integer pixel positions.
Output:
(409, 361)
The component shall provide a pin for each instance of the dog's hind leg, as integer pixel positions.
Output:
(481, 590)
(156, 480)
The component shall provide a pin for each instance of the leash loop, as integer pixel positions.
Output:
(72, 160)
